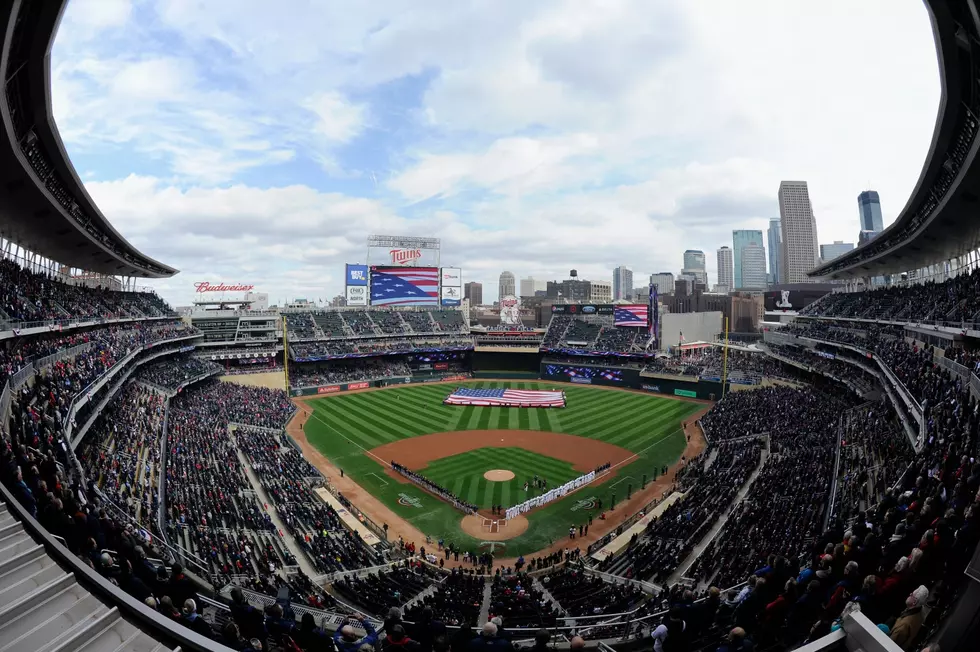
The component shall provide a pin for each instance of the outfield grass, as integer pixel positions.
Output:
(343, 427)
(463, 475)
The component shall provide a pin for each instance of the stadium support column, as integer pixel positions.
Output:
(285, 352)
(724, 362)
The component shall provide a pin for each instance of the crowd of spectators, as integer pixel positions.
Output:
(874, 453)
(621, 338)
(233, 403)
(309, 351)
(431, 486)
(955, 300)
(173, 372)
(457, 601)
(300, 325)
(121, 453)
(289, 482)
(27, 296)
(346, 372)
(802, 427)
(519, 604)
(580, 594)
(826, 363)
(709, 485)
(383, 590)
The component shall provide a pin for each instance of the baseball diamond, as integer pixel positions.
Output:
(363, 432)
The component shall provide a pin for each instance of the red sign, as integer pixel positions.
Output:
(441, 365)
(404, 256)
(358, 385)
(328, 390)
(204, 286)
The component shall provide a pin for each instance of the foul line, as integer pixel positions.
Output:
(637, 455)
(316, 415)
(624, 479)
(379, 478)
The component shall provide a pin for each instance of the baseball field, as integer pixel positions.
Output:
(487, 455)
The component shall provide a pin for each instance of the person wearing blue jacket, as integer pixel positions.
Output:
(346, 638)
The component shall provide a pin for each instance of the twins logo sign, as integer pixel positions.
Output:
(409, 501)
(585, 503)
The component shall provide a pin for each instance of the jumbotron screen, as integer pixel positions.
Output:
(404, 286)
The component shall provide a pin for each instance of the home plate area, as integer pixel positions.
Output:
(494, 526)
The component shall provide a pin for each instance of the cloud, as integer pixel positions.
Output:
(271, 139)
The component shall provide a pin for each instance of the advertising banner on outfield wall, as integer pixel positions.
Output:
(452, 277)
(356, 295)
(583, 309)
(357, 274)
(451, 296)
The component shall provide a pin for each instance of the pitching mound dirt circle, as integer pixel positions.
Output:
(499, 475)
(488, 528)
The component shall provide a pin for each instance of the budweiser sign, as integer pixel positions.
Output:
(404, 256)
(204, 286)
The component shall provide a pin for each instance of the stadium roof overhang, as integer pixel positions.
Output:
(43, 205)
(940, 220)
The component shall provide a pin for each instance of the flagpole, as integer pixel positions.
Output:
(724, 362)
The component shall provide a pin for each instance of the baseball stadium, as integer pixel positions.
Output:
(410, 468)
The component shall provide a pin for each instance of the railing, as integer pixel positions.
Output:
(146, 619)
(48, 360)
(10, 329)
(21, 376)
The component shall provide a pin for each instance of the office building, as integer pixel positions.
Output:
(694, 265)
(753, 267)
(664, 282)
(830, 251)
(507, 286)
(530, 286)
(473, 292)
(622, 283)
(601, 292)
(726, 267)
(741, 238)
(775, 250)
(799, 233)
(869, 211)
(572, 290)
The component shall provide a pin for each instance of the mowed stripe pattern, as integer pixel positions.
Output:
(344, 427)
(505, 397)
(463, 474)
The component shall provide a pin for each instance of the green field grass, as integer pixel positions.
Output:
(463, 474)
(345, 426)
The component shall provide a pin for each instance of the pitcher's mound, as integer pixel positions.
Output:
(487, 528)
(499, 475)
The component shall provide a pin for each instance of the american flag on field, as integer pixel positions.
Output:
(506, 397)
(405, 286)
(636, 315)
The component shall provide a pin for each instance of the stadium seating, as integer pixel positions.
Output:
(26, 296)
(330, 323)
(171, 374)
(346, 372)
(360, 322)
(300, 325)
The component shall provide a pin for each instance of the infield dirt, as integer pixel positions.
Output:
(380, 513)
(582, 453)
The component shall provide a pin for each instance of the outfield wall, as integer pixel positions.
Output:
(584, 373)
(484, 361)
(336, 388)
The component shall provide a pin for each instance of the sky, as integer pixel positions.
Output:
(256, 142)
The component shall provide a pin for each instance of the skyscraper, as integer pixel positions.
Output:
(694, 265)
(725, 268)
(799, 233)
(775, 248)
(741, 238)
(530, 285)
(507, 286)
(869, 211)
(474, 292)
(622, 286)
(831, 251)
(753, 273)
(664, 282)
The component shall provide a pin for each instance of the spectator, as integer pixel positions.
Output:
(346, 640)
(488, 641)
(907, 627)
